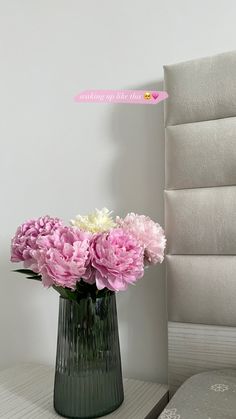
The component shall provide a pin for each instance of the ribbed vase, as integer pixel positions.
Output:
(88, 377)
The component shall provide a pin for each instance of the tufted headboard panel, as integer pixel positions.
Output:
(200, 214)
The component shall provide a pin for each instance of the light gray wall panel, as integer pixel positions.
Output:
(196, 348)
(206, 149)
(202, 289)
(201, 90)
(201, 221)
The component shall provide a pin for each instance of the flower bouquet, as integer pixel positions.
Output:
(87, 263)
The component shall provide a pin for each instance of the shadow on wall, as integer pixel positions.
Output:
(137, 183)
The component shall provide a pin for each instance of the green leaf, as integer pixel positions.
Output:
(35, 277)
(32, 274)
(25, 272)
(66, 293)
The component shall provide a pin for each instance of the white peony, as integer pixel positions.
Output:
(96, 222)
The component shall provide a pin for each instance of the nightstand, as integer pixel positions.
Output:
(26, 392)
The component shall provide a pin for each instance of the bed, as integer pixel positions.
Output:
(200, 220)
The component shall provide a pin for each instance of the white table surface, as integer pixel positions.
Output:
(26, 392)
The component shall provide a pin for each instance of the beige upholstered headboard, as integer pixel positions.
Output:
(200, 212)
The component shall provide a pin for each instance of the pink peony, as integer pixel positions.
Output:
(116, 260)
(25, 240)
(150, 235)
(63, 256)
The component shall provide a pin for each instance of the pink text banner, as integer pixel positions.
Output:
(139, 97)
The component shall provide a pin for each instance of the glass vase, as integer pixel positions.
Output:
(88, 378)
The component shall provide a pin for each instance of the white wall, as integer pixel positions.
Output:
(61, 158)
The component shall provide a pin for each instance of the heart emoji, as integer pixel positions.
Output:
(155, 95)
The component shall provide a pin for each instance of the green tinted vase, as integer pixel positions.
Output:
(88, 378)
